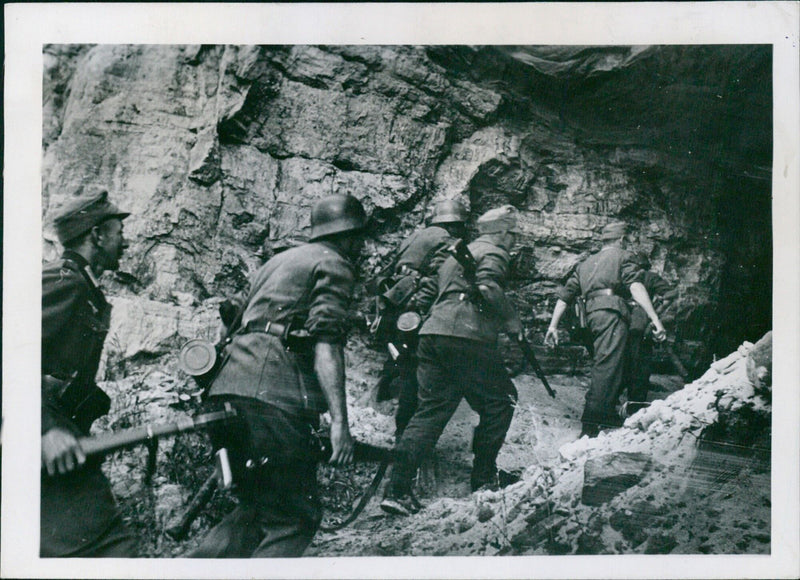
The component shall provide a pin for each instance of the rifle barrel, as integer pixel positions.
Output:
(361, 451)
(676, 362)
(201, 498)
(528, 352)
(129, 437)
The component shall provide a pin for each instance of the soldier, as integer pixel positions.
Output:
(459, 358)
(270, 248)
(79, 516)
(285, 367)
(603, 279)
(414, 289)
(639, 349)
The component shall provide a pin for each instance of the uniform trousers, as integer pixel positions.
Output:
(451, 369)
(79, 517)
(610, 335)
(279, 509)
(399, 379)
(638, 366)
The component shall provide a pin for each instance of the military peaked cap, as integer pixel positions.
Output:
(500, 219)
(613, 231)
(80, 214)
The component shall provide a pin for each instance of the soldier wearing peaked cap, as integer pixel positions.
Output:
(79, 515)
(458, 358)
(413, 289)
(284, 367)
(604, 279)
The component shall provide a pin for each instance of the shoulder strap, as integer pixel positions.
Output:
(94, 289)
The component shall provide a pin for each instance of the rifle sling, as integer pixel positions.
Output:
(373, 487)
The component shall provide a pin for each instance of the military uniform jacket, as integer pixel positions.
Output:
(75, 320)
(310, 286)
(419, 257)
(610, 268)
(454, 313)
(76, 508)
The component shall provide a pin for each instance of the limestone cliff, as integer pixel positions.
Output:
(215, 149)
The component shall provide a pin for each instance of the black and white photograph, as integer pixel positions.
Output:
(395, 302)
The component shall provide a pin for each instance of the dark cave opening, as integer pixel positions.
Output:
(744, 308)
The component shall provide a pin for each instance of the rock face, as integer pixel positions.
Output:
(217, 149)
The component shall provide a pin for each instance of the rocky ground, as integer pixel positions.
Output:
(688, 475)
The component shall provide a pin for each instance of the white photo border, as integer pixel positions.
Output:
(29, 26)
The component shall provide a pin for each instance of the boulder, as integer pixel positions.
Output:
(607, 476)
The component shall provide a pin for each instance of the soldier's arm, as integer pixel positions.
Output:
(639, 293)
(62, 294)
(566, 294)
(327, 324)
(429, 284)
(329, 368)
(490, 275)
(551, 337)
(633, 276)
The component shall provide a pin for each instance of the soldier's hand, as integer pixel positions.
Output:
(342, 444)
(659, 334)
(551, 338)
(61, 452)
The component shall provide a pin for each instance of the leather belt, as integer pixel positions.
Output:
(600, 292)
(273, 328)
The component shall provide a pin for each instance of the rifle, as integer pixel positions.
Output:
(466, 260)
(676, 362)
(464, 257)
(525, 346)
(103, 444)
(362, 452)
(148, 435)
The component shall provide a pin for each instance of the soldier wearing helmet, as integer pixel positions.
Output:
(413, 289)
(459, 358)
(605, 279)
(284, 367)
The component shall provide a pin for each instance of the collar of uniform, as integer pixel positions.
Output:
(333, 247)
(75, 257)
(83, 264)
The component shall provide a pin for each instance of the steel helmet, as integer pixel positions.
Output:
(449, 211)
(336, 214)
